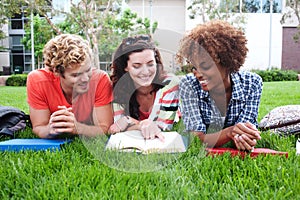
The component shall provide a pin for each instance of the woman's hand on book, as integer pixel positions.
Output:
(150, 130)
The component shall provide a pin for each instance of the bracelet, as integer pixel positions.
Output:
(129, 122)
(118, 126)
(123, 120)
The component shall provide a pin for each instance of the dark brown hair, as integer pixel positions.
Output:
(124, 89)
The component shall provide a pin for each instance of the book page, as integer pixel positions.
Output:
(127, 141)
(134, 141)
(173, 143)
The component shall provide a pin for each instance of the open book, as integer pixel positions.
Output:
(133, 141)
(236, 152)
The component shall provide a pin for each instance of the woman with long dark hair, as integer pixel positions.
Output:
(145, 97)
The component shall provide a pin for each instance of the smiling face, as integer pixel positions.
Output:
(76, 79)
(210, 75)
(141, 67)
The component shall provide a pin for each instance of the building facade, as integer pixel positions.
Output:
(267, 42)
(290, 49)
(20, 58)
(263, 29)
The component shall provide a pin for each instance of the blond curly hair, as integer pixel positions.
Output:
(64, 51)
(225, 44)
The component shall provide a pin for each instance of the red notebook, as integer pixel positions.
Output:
(236, 152)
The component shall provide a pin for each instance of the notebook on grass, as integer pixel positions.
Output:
(34, 144)
(236, 152)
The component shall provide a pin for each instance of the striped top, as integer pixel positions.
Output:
(165, 108)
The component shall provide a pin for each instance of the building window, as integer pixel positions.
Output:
(277, 6)
(16, 40)
(251, 6)
(16, 22)
(261, 6)
(28, 58)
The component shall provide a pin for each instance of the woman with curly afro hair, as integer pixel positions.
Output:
(218, 98)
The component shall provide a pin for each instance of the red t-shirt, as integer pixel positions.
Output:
(44, 92)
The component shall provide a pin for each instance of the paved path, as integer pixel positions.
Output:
(3, 80)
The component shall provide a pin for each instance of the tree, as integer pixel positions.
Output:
(97, 21)
(43, 8)
(215, 9)
(115, 28)
(43, 32)
(84, 14)
(102, 23)
(292, 10)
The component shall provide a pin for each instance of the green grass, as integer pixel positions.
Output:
(278, 94)
(14, 96)
(76, 172)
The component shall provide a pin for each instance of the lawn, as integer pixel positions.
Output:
(76, 172)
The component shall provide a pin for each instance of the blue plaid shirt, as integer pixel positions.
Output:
(200, 113)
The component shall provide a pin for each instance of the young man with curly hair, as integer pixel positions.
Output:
(69, 96)
(219, 102)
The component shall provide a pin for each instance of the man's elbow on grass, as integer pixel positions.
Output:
(41, 131)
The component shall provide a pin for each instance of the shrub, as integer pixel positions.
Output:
(277, 75)
(17, 80)
(186, 68)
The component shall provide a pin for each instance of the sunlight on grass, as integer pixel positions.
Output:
(14, 96)
(276, 94)
(130, 161)
(77, 173)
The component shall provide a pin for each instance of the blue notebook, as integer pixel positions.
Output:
(32, 144)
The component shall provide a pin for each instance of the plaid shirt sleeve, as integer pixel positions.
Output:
(189, 105)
